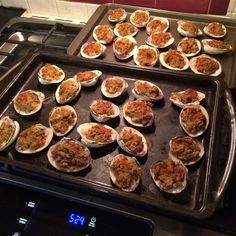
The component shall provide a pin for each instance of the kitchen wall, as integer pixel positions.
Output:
(81, 10)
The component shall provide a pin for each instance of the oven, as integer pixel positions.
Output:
(38, 200)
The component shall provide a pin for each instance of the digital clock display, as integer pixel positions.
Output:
(76, 219)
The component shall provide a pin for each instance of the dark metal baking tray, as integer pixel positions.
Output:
(101, 17)
(202, 194)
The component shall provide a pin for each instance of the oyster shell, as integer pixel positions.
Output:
(140, 18)
(92, 49)
(176, 60)
(34, 139)
(194, 120)
(157, 24)
(186, 97)
(189, 46)
(28, 102)
(9, 129)
(62, 119)
(69, 155)
(103, 34)
(147, 91)
(50, 74)
(215, 30)
(88, 78)
(186, 149)
(138, 113)
(188, 29)
(213, 46)
(160, 39)
(146, 56)
(205, 65)
(124, 47)
(125, 29)
(113, 86)
(130, 166)
(102, 110)
(132, 141)
(117, 15)
(96, 135)
(169, 172)
(67, 91)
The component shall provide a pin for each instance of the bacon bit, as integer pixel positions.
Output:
(125, 29)
(216, 28)
(85, 76)
(116, 14)
(104, 33)
(92, 48)
(218, 44)
(169, 173)
(99, 134)
(174, 59)
(156, 25)
(189, 46)
(146, 56)
(6, 131)
(146, 89)
(114, 85)
(188, 96)
(189, 27)
(160, 39)
(206, 65)
(124, 46)
(50, 73)
(67, 90)
(103, 108)
(140, 17)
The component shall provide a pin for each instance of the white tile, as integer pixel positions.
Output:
(15, 3)
(231, 5)
(92, 8)
(43, 7)
(74, 10)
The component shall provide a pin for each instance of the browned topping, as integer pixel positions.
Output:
(206, 65)
(99, 134)
(61, 119)
(174, 59)
(189, 27)
(27, 102)
(70, 155)
(185, 148)
(85, 76)
(146, 89)
(169, 174)
(32, 138)
(193, 120)
(188, 96)
(7, 129)
(104, 33)
(92, 48)
(146, 56)
(216, 28)
(160, 39)
(140, 17)
(101, 107)
(218, 44)
(156, 25)
(125, 29)
(114, 85)
(126, 171)
(132, 141)
(189, 46)
(124, 46)
(139, 112)
(116, 14)
(50, 73)
(68, 89)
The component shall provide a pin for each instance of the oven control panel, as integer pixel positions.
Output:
(25, 212)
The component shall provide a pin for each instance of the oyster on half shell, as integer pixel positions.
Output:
(157, 24)
(215, 30)
(188, 29)
(92, 49)
(160, 39)
(117, 15)
(140, 18)
(88, 78)
(213, 46)
(125, 29)
(189, 46)
(103, 34)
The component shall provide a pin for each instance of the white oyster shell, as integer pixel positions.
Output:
(54, 162)
(104, 117)
(211, 34)
(139, 95)
(187, 33)
(158, 182)
(178, 103)
(30, 131)
(199, 144)
(124, 55)
(106, 93)
(195, 70)
(158, 20)
(108, 31)
(44, 81)
(113, 177)
(135, 14)
(180, 49)
(203, 111)
(6, 120)
(214, 50)
(69, 98)
(117, 31)
(63, 118)
(83, 128)
(101, 50)
(163, 63)
(122, 17)
(149, 39)
(40, 96)
(90, 82)
(133, 131)
(142, 49)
